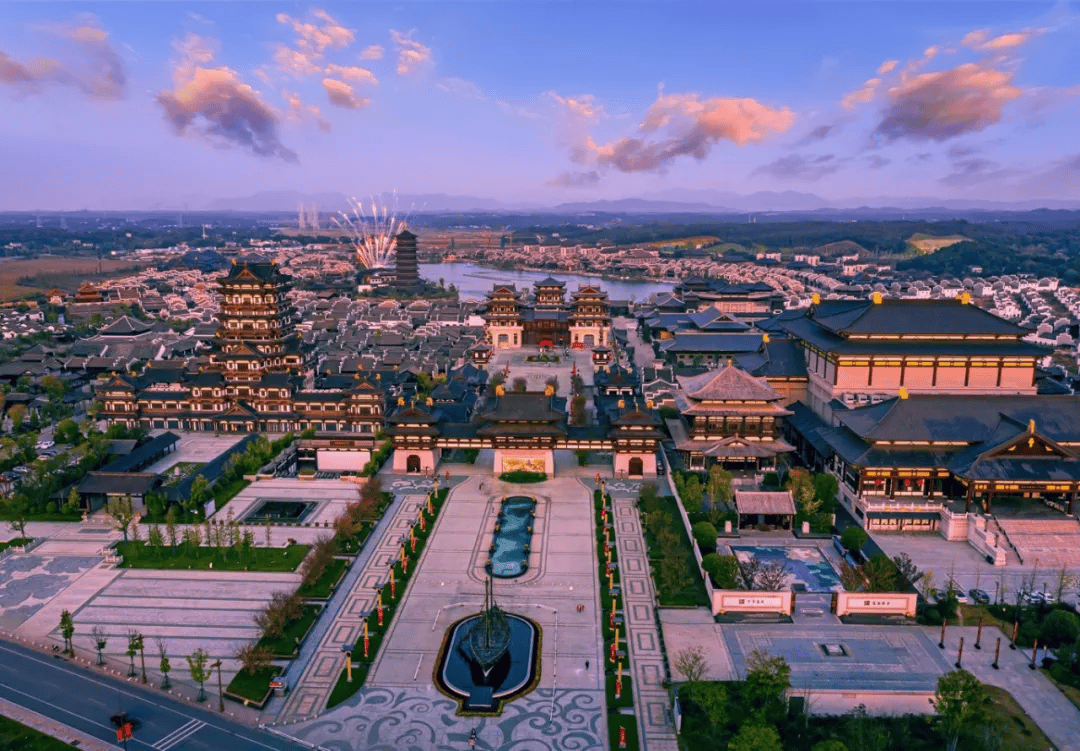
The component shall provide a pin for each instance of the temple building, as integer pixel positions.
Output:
(546, 319)
(730, 418)
(406, 269)
(524, 430)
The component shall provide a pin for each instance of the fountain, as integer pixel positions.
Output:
(489, 658)
(509, 551)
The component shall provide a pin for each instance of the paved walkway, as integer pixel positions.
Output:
(318, 670)
(1045, 704)
(651, 699)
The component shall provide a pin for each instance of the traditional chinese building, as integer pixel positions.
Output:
(729, 417)
(546, 319)
(406, 269)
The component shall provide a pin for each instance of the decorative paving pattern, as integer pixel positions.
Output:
(29, 581)
(396, 718)
(651, 699)
(313, 687)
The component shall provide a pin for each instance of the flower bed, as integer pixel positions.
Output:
(522, 476)
(288, 644)
(252, 690)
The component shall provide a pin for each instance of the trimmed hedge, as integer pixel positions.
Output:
(523, 476)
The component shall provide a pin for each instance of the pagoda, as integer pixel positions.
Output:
(590, 317)
(407, 271)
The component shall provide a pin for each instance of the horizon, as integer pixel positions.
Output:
(144, 107)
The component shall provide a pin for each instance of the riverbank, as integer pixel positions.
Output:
(474, 280)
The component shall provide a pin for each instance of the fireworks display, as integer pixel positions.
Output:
(372, 232)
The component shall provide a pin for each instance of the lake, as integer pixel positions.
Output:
(475, 281)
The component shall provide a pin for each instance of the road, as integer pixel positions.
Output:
(85, 700)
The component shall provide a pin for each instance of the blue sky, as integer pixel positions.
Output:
(140, 104)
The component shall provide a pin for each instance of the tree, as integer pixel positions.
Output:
(101, 640)
(163, 665)
(705, 534)
(553, 382)
(74, 501)
(1060, 627)
(907, 569)
(253, 658)
(67, 630)
(154, 539)
(135, 645)
(200, 673)
(170, 527)
(722, 569)
(719, 487)
(1064, 582)
(17, 413)
(199, 494)
(766, 577)
(713, 700)
(520, 385)
(959, 700)
(276, 614)
(767, 680)
(851, 577)
(692, 494)
(880, 574)
(853, 539)
(67, 431)
(674, 571)
(756, 738)
(802, 489)
(578, 415)
(17, 508)
(829, 745)
(691, 663)
(122, 513)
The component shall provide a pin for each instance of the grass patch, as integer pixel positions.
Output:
(14, 736)
(627, 697)
(141, 555)
(692, 592)
(225, 492)
(521, 476)
(14, 543)
(343, 689)
(1020, 731)
(323, 587)
(42, 516)
(254, 687)
(288, 644)
(627, 721)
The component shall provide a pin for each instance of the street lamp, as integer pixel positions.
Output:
(347, 649)
(220, 693)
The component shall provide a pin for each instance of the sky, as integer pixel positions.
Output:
(139, 105)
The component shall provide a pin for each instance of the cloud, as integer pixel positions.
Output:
(461, 87)
(887, 67)
(799, 167)
(216, 104)
(944, 104)
(981, 40)
(695, 125)
(297, 62)
(959, 151)
(861, 95)
(352, 73)
(819, 133)
(298, 110)
(90, 64)
(876, 161)
(584, 106)
(317, 37)
(341, 94)
(1061, 178)
(975, 171)
(575, 179)
(411, 54)
(372, 52)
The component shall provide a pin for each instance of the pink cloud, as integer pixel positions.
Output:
(89, 64)
(341, 94)
(584, 106)
(411, 54)
(352, 73)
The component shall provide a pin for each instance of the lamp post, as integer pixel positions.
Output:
(347, 649)
(367, 640)
(220, 692)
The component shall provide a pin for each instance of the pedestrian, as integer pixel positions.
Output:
(586, 664)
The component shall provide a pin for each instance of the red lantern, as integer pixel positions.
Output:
(622, 737)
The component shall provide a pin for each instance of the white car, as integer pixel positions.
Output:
(41, 445)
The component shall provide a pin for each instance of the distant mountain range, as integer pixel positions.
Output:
(674, 201)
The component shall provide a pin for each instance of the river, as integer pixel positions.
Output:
(475, 281)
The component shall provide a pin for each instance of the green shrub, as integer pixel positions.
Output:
(722, 569)
(1058, 628)
(853, 539)
(51, 507)
(523, 476)
(771, 481)
(705, 534)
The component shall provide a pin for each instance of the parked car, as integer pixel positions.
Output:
(961, 598)
(979, 596)
(44, 445)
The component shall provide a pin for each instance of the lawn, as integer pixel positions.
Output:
(343, 689)
(140, 555)
(323, 587)
(627, 697)
(289, 642)
(225, 492)
(14, 543)
(1021, 732)
(253, 687)
(616, 721)
(14, 736)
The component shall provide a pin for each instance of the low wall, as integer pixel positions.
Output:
(742, 601)
(953, 527)
(885, 603)
(341, 460)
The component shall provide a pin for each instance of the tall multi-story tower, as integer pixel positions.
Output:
(550, 293)
(503, 317)
(590, 318)
(255, 327)
(407, 271)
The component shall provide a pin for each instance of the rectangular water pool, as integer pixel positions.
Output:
(280, 512)
(805, 564)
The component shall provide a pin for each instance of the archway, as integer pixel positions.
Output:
(636, 467)
(412, 464)
(504, 340)
(590, 340)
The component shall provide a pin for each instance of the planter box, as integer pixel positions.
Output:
(247, 701)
